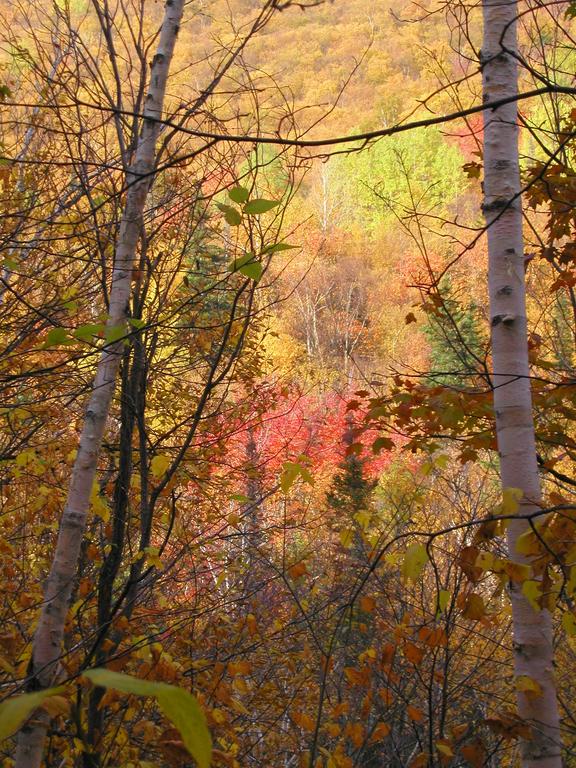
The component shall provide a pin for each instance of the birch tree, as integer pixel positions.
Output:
(48, 637)
(532, 629)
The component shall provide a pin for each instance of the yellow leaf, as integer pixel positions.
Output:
(528, 544)
(569, 624)
(153, 557)
(251, 624)
(333, 729)
(484, 560)
(415, 560)
(368, 655)
(239, 685)
(98, 503)
(444, 748)
(363, 519)
(528, 686)
(346, 538)
(532, 591)
(159, 465)
(15, 711)
(511, 498)
(356, 733)
(239, 707)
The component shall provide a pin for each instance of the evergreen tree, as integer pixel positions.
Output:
(456, 347)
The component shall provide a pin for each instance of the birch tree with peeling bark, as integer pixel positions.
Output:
(502, 207)
(47, 643)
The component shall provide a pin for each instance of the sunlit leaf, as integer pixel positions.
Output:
(415, 560)
(511, 498)
(159, 465)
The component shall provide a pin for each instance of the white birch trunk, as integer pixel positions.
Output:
(533, 638)
(47, 644)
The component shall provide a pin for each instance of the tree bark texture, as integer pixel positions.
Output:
(47, 643)
(532, 629)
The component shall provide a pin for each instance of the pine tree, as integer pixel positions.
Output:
(453, 332)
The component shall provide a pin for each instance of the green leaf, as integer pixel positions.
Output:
(231, 215)
(248, 266)
(382, 443)
(57, 336)
(276, 247)
(178, 705)
(443, 600)
(115, 333)
(14, 712)
(415, 560)
(185, 714)
(106, 678)
(260, 206)
(242, 498)
(238, 194)
(86, 332)
(290, 471)
(252, 270)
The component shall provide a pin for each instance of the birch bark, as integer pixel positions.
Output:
(47, 643)
(532, 630)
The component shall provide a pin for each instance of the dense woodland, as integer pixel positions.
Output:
(272, 491)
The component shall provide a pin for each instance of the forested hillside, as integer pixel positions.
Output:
(287, 379)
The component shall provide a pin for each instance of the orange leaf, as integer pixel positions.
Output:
(474, 753)
(297, 570)
(420, 761)
(415, 714)
(380, 732)
(367, 603)
(413, 653)
(356, 733)
(474, 607)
